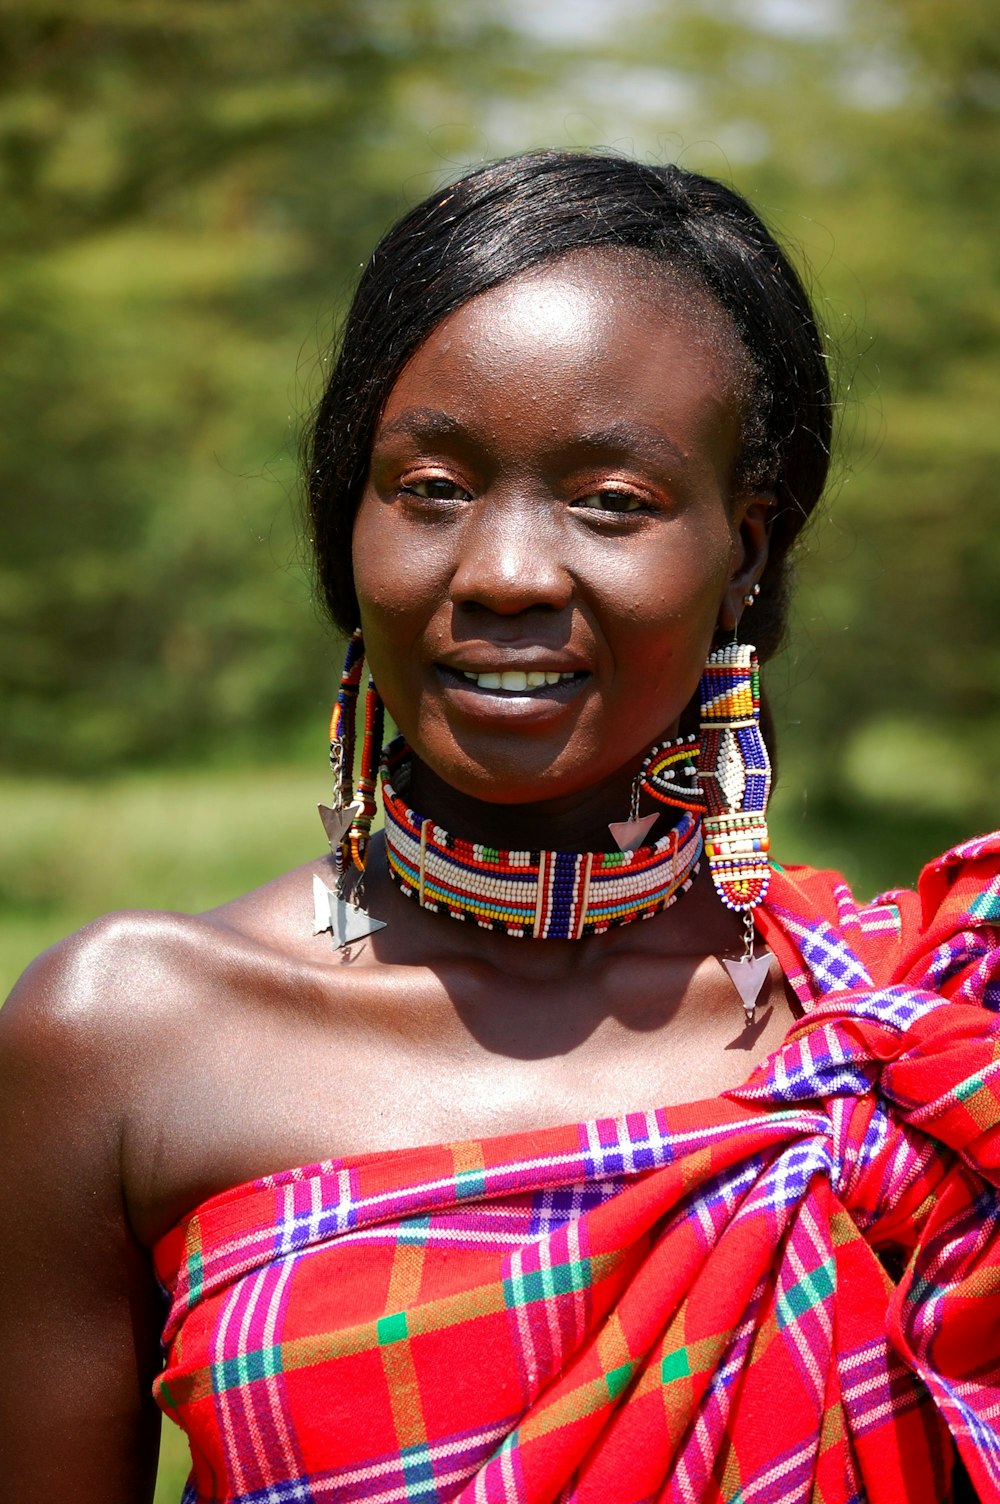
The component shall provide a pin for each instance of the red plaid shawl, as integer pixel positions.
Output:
(679, 1304)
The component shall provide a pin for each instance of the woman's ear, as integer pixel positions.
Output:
(752, 517)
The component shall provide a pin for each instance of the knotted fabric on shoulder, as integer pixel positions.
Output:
(686, 1303)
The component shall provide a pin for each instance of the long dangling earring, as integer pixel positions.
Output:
(348, 823)
(735, 775)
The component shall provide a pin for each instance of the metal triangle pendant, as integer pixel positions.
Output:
(349, 923)
(629, 835)
(345, 921)
(748, 977)
(337, 822)
(321, 906)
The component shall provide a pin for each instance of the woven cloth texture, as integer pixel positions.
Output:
(685, 1303)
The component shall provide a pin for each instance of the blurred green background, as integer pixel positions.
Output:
(188, 190)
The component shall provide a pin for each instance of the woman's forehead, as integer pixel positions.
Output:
(589, 328)
(598, 283)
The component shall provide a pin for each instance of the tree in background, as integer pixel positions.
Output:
(189, 191)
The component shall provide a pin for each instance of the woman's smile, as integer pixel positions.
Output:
(548, 538)
(525, 695)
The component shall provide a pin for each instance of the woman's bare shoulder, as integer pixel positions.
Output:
(106, 974)
(128, 964)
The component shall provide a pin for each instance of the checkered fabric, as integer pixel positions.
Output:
(682, 1304)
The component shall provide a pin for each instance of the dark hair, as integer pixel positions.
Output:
(513, 214)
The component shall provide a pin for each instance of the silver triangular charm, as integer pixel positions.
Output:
(629, 835)
(748, 977)
(321, 906)
(349, 923)
(345, 921)
(337, 822)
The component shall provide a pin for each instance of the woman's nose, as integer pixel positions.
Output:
(511, 560)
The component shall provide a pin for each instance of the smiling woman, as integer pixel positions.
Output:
(547, 1204)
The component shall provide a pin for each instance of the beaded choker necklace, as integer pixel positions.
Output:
(545, 895)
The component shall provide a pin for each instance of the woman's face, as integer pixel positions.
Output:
(548, 537)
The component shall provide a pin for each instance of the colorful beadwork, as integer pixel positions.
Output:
(735, 775)
(545, 895)
(342, 721)
(670, 774)
(353, 849)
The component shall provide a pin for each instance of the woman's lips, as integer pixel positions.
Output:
(515, 685)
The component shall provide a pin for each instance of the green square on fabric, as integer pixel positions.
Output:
(542, 1284)
(617, 1379)
(675, 1365)
(811, 1289)
(413, 1232)
(470, 1184)
(391, 1329)
(966, 1089)
(195, 1276)
(194, 1262)
(418, 1469)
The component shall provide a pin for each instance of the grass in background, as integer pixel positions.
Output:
(166, 840)
(175, 1464)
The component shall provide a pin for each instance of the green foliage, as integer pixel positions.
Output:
(186, 200)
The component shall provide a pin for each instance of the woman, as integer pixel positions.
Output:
(580, 414)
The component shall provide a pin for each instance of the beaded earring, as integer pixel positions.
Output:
(735, 775)
(348, 824)
(669, 774)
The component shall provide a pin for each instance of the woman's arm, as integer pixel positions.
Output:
(79, 1310)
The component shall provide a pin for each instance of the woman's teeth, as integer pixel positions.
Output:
(516, 679)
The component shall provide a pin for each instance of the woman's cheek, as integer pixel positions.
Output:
(393, 577)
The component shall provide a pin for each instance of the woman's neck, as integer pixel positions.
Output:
(573, 822)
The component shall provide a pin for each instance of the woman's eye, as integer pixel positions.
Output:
(434, 488)
(610, 501)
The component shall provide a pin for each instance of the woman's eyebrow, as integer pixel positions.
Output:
(421, 423)
(431, 423)
(635, 438)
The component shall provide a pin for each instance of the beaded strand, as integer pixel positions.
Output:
(353, 848)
